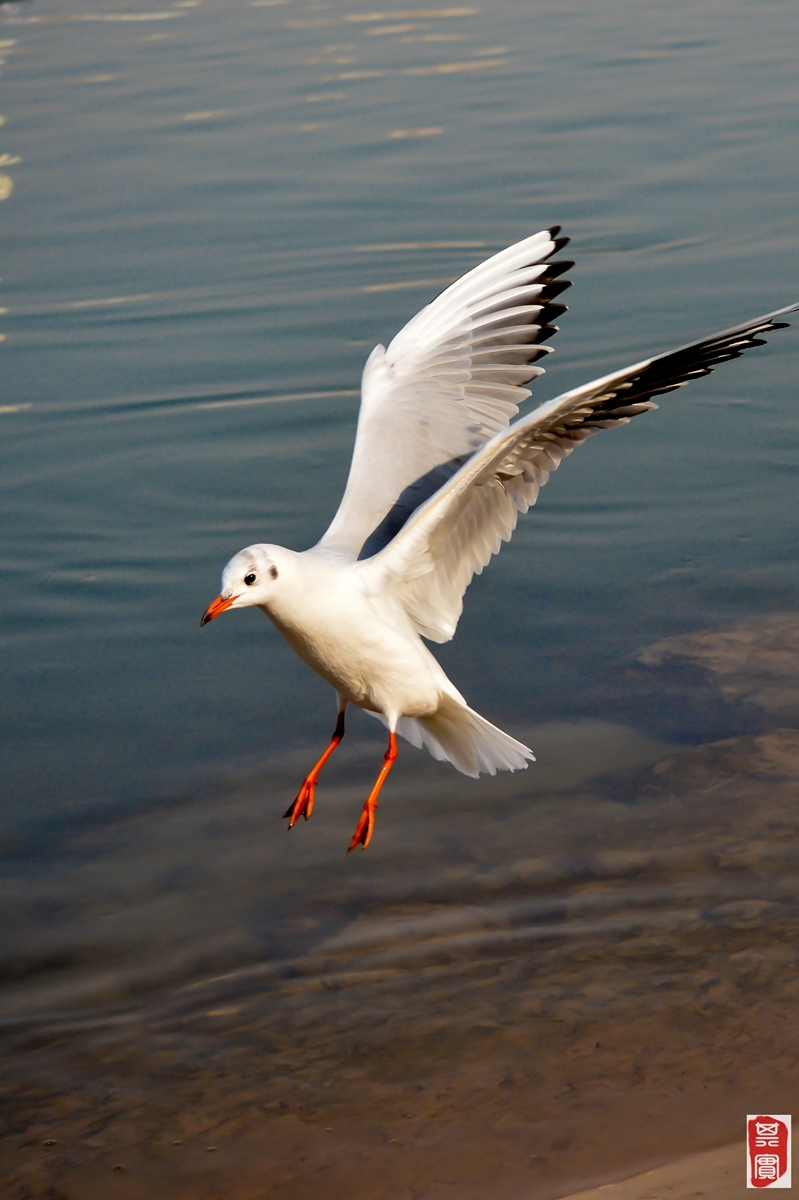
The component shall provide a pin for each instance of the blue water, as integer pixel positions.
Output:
(216, 210)
(203, 204)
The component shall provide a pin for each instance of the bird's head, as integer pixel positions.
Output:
(251, 577)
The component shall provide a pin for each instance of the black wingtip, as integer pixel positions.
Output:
(554, 230)
(556, 287)
(557, 268)
(560, 242)
(551, 312)
(545, 332)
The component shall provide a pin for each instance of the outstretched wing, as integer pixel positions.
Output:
(432, 560)
(450, 380)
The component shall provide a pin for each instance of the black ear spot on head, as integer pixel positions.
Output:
(273, 572)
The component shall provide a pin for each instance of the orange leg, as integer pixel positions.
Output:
(366, 825)
(303, 805)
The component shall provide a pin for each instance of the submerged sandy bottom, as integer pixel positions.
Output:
(527, 987)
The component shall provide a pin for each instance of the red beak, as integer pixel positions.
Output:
(215, 608)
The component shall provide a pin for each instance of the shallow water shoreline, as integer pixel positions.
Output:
(719, 1174)
(537, 982)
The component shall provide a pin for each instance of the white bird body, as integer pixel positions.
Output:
(345, 620)
(438, 478)
(359, 639)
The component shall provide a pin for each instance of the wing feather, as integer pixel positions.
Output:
(450, 380)
(452, 536)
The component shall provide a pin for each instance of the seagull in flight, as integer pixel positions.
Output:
(440, 472)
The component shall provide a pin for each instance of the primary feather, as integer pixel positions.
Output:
(449, 381)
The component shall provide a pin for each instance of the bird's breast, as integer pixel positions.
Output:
(366, 659)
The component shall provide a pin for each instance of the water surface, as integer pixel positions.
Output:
(212, 212)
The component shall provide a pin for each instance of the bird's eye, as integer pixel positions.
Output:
(249, 579)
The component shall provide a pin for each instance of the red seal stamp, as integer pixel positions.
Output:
(768, 1151)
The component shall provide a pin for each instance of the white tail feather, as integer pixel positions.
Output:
(457, 734)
